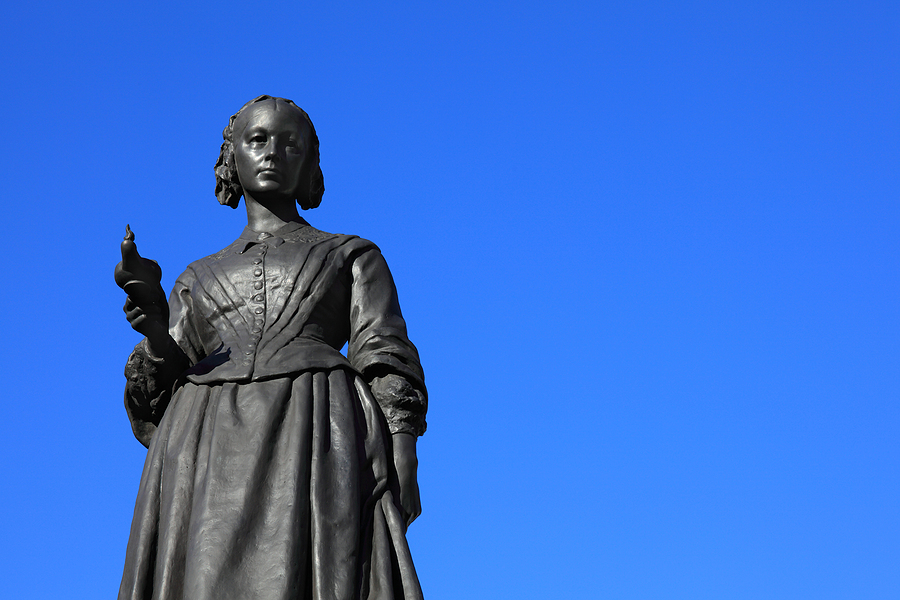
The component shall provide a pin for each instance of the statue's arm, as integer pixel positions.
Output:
(159, 360)
(380, 349)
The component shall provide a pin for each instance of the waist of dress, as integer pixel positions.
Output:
(254, 364)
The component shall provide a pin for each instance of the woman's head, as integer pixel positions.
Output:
(311, 186)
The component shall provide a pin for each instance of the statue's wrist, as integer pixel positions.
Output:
(405, 447)
(158, 346)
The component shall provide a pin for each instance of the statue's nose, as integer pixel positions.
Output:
(272, 151)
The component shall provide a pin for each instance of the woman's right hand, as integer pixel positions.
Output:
(146, 308)
(150, 322)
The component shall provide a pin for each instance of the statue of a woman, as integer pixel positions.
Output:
(277, 467)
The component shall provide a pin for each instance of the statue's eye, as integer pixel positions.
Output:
(258, 139)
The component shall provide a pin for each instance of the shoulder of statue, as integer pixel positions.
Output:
(309, 234)
(228, 250)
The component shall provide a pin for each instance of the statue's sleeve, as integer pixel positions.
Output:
(150, 378)
(380, 349)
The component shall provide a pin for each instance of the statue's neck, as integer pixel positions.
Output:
(270, 214)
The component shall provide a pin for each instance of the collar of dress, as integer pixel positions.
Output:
(250, 238)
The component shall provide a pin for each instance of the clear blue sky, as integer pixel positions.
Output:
(648, 251)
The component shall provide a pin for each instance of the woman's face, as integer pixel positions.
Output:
(270, 150)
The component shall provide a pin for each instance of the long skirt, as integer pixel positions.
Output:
(274, 490)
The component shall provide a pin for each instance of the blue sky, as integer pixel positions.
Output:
(648, 252)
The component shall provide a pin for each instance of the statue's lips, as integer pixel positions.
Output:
(269, 172)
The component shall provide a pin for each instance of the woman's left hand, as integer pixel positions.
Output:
(406, 463)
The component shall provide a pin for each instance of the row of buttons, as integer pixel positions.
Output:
(258, 299)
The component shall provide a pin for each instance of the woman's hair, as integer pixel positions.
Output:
(228, 187)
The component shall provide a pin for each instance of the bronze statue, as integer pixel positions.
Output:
(277, 467)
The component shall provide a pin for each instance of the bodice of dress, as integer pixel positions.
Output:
(274, 304)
